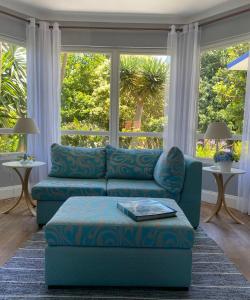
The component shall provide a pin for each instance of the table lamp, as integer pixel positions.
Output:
(217, 131)
(25, 126)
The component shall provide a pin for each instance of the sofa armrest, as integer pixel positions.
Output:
(190, 198)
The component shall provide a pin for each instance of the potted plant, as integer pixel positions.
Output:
(225, 160)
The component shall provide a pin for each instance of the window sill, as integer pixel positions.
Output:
(10, 155)
(209, 161)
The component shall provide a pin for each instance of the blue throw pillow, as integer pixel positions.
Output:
(131, 164)
(77, 162)
(169, 171)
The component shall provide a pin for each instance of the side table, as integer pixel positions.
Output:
(16, 165)
(221, 185)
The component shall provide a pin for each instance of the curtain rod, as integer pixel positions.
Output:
(133, 28)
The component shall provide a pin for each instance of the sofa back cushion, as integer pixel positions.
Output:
(169, 171)
(131, 164)
(77, 162)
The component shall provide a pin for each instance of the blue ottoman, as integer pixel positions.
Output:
(91, 242)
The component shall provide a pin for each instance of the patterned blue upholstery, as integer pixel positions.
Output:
(60, 189)
(77, 162)
(131, 164)
(170, 170)
(96, 222)
(136, 188)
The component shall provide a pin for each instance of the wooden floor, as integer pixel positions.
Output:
(234, 239)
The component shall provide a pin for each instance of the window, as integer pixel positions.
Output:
(12, 95)
(85, 98)
(138, 95)
(141, 106)
(221, 97)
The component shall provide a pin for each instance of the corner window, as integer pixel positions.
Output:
(13, 95)
(221, 97)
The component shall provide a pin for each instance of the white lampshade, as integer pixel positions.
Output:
(26, 125)
(217, 131)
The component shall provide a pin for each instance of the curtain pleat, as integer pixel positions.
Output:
(43, 90)
(181, 99)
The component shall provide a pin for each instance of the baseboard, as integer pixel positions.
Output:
(10, 191)
(211, 197)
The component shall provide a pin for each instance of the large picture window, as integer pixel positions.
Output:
(221, 97)
(87, 81)
(13, 94)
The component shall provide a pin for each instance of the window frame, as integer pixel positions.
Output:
(114, 133)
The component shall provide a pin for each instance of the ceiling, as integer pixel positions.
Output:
(175, 11)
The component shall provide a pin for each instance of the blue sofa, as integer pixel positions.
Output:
(114, 172)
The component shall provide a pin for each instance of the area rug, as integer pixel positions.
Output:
(214, 276)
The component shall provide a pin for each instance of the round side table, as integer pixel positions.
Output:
(221, 185)
(16, 165)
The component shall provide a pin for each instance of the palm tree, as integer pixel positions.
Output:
(12, 92)
(13, 88)
(142, 78)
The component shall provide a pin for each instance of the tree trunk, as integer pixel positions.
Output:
(63, 67)
(137, 123)
(138, 115)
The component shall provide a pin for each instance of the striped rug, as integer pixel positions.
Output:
(213, 277)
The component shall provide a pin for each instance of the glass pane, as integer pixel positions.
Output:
(142, 90)
(207, 148)
(88, 141)
(140, 142)
(13, 89)
(11, 143)
(85, 94)
(222, 93)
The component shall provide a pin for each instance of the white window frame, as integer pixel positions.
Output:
(114, 134)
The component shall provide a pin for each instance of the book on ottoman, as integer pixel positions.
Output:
(143, 210)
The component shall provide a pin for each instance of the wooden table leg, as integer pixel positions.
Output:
(25, 192)
(27, 197)
(221, 198)
(19, 198)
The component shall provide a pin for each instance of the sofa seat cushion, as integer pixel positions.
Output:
(131, 164)
(60, 189)
(77, 162)
(136, 188)
(97, 222)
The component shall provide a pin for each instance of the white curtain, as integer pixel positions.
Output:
(43, 88)
(244, 180)
(182, 93)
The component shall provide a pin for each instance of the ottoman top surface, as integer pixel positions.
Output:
(97, 222)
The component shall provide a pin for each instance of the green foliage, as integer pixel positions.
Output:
(222, 91)
(13, 84)
(85, 96)
(9, 143)
(12, 92)
(85, 92)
